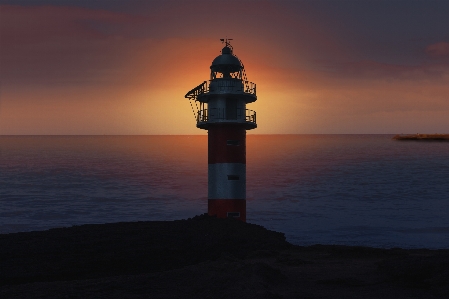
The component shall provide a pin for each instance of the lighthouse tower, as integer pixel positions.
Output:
(221, 110)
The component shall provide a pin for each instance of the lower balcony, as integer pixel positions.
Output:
(205, 117)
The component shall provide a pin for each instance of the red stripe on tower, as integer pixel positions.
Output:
(222, 112)
(227, 143)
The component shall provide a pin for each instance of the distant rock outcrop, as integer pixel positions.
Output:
(430, 137)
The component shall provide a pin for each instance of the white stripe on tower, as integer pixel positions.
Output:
(227, 181)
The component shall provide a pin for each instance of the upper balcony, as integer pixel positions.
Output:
(233, 86)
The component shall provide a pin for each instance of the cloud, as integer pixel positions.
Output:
(438, 50)
(374, 70)
(62, 45)
(98, 69)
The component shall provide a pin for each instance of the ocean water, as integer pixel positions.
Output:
(364, 190)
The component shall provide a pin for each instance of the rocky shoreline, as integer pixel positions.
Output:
(206, 257)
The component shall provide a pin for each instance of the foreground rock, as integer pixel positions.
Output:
(205, 257)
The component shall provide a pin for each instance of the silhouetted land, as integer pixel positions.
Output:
(205, 257)
(423, 137)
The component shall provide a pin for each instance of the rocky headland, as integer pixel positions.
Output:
(206, 257)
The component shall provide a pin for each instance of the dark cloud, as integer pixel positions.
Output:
(439, 50)
(62, 45)
(369, 69)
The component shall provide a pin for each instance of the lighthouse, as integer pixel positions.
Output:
(219, 106)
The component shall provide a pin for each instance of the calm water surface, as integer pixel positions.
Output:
(329, 189)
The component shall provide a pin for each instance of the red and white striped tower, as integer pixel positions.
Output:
(221, 109)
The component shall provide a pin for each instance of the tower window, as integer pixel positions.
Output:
(233, 177)
(233, 142)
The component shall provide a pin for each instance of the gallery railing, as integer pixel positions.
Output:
(222, 85)
(219, 114)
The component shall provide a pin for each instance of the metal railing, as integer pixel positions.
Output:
(205, 115)
(195, 92)
(250, 116)
(202, 116)
(250, 87)
(222, 85)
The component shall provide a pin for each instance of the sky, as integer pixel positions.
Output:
(321, 67)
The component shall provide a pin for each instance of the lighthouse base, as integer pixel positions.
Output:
(224, 208)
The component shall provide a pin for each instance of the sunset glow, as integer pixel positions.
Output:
(320, 66)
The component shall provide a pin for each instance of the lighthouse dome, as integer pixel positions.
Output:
(226, 62)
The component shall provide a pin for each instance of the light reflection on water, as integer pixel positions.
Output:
(329, 189)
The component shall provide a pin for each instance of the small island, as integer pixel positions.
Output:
(424, 137)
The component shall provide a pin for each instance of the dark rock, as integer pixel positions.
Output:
(206, 257)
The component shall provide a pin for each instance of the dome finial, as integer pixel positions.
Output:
(227, 42)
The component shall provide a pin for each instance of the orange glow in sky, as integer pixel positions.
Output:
(80, 69)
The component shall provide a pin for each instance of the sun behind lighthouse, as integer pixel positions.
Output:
(221, 109)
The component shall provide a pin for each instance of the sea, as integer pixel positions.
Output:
(359, 190)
